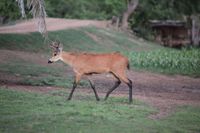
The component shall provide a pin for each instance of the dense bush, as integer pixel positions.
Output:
(84, 9)
(8, 11)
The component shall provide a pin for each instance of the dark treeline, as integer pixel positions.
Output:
(85, 9)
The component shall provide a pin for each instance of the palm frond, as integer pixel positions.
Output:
(21, 6)
(37, 9)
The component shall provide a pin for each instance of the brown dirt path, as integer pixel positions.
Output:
(53, 24)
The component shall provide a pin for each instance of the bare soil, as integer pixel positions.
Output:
(53, 24)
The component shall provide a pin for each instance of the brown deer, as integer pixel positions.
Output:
(90, 63)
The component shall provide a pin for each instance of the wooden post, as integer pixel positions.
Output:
(195, 31)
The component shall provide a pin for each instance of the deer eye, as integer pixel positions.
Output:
(54, 54)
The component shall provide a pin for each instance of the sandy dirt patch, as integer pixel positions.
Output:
(53, 24)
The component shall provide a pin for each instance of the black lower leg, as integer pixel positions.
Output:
(117, 83)
(130, 91)
(72, 91)
(95, 92)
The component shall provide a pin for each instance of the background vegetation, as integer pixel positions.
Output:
(105, 9)
(8, 11)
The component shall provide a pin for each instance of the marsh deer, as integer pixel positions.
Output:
(90, 63)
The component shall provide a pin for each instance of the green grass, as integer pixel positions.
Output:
(75, 40)
(30, 112)
(24, 42)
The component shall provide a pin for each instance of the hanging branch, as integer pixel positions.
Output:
(37, 9)
(21, 6)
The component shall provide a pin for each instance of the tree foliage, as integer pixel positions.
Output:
(37, 10)
(105, 9)
(84, 9)
(8, 11)
(162, 10)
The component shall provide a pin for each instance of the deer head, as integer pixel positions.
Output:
(56, 50)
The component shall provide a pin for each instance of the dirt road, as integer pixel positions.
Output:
(53, 24)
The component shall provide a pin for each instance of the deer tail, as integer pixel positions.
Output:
(128, 66)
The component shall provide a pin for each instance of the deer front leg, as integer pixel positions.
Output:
(76, 81)
(95, 92)
(130, 91)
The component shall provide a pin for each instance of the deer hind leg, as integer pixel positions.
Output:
(93, 87)
(130, 91)
(117, 83)
(123, 77)
(76, 81)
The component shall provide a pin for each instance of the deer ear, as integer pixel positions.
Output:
(60, 47)
(57, 43)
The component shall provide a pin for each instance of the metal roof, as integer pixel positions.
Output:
(169, 23)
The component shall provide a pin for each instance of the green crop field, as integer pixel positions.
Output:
(171, 61)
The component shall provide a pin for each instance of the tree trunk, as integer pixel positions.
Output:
(131, 6)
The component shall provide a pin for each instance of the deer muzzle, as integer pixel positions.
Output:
(49, 62)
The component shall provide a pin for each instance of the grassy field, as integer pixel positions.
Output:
(143, 55)
(81, 39)
(23, 112)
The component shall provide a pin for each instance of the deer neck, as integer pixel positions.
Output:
(67, 57)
